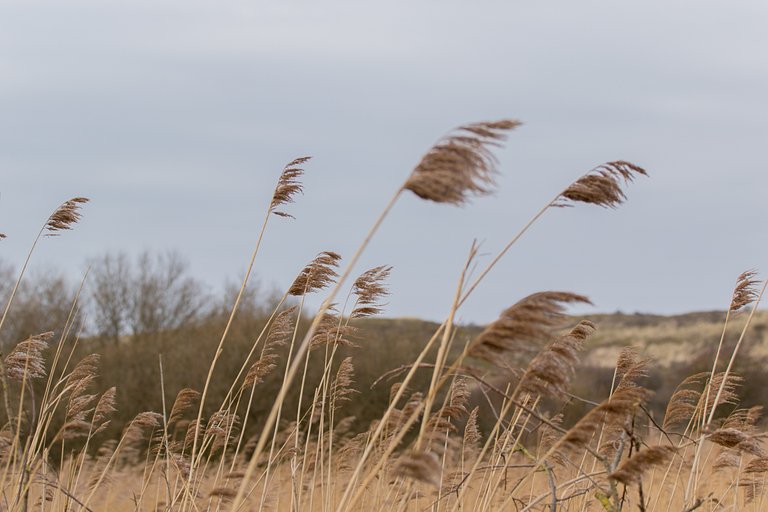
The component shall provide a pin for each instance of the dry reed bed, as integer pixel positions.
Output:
(427, 450)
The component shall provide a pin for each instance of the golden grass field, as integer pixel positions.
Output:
(473, 423)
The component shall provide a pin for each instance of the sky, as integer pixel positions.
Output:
(176, 117)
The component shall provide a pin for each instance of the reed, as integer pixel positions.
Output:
(429, 448)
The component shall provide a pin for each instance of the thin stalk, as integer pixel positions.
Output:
(220, 347)
(690, 487)
(294, 368)
(442, 349)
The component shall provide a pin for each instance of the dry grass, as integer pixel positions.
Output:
(428, 449)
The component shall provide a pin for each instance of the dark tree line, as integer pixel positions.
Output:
(123, 297)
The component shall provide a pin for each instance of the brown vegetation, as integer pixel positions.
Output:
(161, 402)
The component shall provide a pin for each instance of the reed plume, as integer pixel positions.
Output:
(550, 434)
(278, 334)
(630, 368)
(551, 371)
(744, 419)
(738, 440)
(370, 289)
(65, 216)
(726, 459)
(318, 274)
(472, 435)
(422, 466)
(288, 186)
(745, 292)
(631, 470)
(753, 489)
(530, 320)
(221, 428)
(446, 418)
(612, 412)
(601, 186)
(332, 330)
(684, 402)
(461, 165)
(26, 359)
(141, 427)
(186, 400)
(728, 386)
(103, 410)
(757, 466)
(341, 387)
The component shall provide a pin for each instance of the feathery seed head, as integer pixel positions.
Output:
(727, 459)
(531, 319)
(759, 465)
(602, 185)
(341, 388)
(144, 421)
(746, 290)
(281, 328)
(421, 466)
(104, 408)
(277, 336)
(185, 400)
(333, 331)
(370, 289)
(551, 371)
(65, 216)
(461, 165)
(288, 186)
(685, 401)
(738, 440)
(445, 419)
(316, 275)
(631, 471)
(610, 414)
(26, 359)
(472, 436)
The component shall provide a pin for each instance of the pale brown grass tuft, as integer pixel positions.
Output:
(341, 388)
(288, 185)
(738, 440)
(551, 371)
(65, 216)
(611, 413)
(370, 289)
(631, 470)
(745, 291)
(318, 274)
(685, 401)
(530, 320)
(461, 165)
(278, 335)
(26, 359)
(422, 466)
(186, 400)
(602, 185)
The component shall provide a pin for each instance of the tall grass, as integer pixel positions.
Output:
(428, 449)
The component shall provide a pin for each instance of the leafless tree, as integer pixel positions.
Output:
(150, 294)
(110, 284)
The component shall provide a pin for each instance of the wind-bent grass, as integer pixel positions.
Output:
(427, 450)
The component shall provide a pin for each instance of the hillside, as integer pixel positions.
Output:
(669, 340)
(673, 340)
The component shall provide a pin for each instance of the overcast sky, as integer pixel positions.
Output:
(176, 117)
